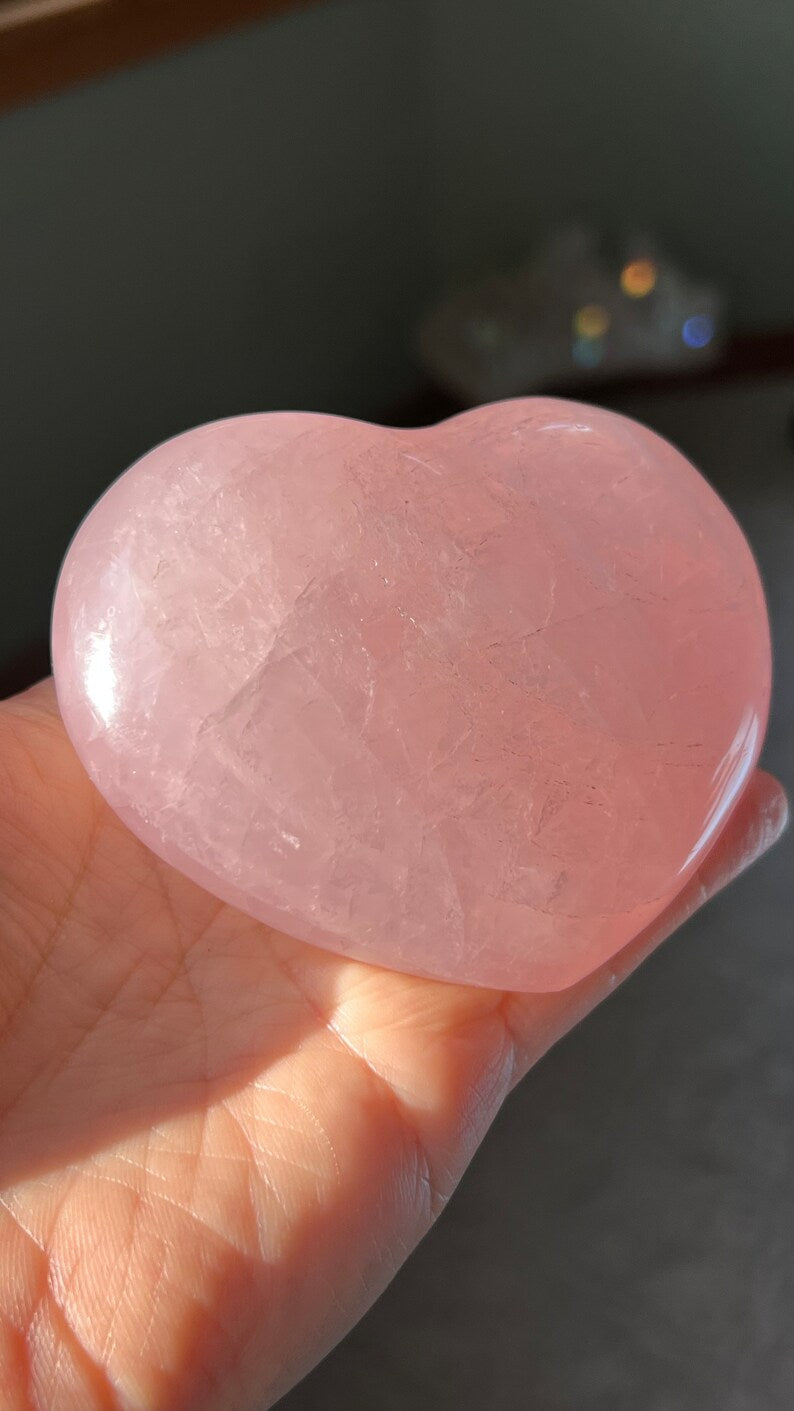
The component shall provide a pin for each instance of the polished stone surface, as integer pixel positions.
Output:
(470, 701)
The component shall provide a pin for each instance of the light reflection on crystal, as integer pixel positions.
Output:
(100, 677)
(638, 278)
(698, 331)
(729, 779)
(587, 352)
(591, 321)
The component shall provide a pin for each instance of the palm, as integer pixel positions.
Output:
(216, 1143)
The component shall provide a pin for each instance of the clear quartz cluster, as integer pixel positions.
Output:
(471, 701)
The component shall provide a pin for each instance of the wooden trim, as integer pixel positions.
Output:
(46, 45)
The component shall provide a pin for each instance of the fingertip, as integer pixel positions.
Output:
(773, 807)
(759, 819)
(757, 822)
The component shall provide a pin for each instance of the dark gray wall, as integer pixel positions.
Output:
(678, 114)
(239, 226)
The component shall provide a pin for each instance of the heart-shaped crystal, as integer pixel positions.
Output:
(471, 701)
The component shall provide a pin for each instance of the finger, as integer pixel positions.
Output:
(539, 1020)
(39, 699)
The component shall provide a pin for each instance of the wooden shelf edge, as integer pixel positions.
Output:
(46, 48)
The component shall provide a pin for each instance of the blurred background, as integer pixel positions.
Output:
(393, 209)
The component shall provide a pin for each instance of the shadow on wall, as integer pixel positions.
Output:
(259, 221)
(228, 229)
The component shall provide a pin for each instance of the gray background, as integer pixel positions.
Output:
(258, 222)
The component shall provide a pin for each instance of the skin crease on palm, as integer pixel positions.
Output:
(218, 1144)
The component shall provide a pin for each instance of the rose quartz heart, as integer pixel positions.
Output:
(470, 701)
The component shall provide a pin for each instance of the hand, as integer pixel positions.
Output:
(218, 1144)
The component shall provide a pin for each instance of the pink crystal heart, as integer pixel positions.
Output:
(471, 701)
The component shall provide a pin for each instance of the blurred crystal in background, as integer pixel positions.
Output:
(578, 311)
